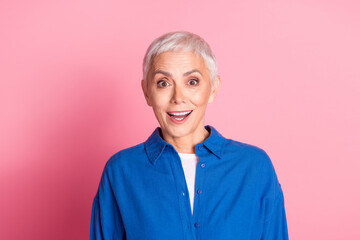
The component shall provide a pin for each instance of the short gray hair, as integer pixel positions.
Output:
(183, 41)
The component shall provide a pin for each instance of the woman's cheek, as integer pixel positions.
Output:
(201, 98)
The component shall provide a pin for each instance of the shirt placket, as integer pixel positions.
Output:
(200, 192)
(191, 222)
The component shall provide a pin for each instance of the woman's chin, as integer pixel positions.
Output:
(175, 131)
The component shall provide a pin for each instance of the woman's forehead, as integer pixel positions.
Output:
(167, 59)
(182, 62)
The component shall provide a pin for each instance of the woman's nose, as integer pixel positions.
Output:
(178, 95)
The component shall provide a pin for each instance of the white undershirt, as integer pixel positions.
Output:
(189, 162)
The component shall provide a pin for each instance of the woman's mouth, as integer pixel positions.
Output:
(179, 116)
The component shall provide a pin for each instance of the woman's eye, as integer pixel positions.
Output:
(162, 83)
(193, 82)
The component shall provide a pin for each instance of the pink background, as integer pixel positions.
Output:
(70, 97)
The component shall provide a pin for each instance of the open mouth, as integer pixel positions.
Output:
(179, 116)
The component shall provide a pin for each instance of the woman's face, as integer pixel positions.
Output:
(179, 83)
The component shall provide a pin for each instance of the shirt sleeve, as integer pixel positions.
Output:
(106, 221)
(275, 227)
(274, 224)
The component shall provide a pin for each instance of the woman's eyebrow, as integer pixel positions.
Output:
(192, 71)
(169, 74)
(163, 72)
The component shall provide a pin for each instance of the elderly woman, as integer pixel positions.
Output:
(187, 181)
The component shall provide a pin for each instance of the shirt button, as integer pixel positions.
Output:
(202, 165)
(183, 193)
(197, 225)
(199, 148)
(199, 191)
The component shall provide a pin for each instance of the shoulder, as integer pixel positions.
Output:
(246, 151)
(249, 156)
(125, 157)
(257, 159)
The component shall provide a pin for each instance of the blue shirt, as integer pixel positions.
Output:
(143, 194)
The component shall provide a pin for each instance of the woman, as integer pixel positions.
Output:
(187, 181)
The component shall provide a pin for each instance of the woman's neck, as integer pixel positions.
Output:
(186, 144)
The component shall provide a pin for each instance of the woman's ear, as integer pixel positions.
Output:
(214, 88)
(145, 91)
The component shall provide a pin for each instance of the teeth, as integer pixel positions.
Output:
(180, 114)
(179, 119)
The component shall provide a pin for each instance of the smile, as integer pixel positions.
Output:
(178, 116)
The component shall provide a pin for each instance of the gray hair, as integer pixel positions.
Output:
(184, 41)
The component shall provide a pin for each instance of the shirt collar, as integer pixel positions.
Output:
(155, 145)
